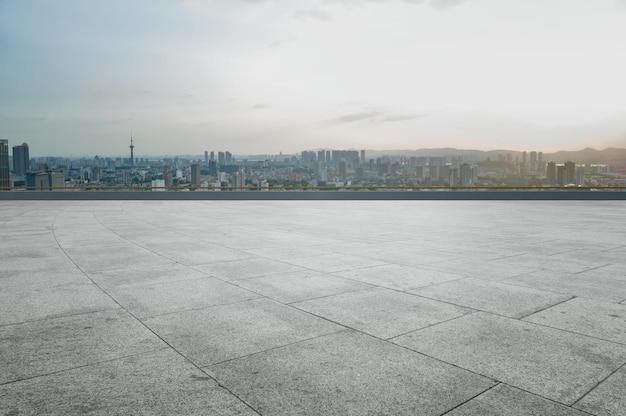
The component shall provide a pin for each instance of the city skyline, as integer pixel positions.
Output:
(263, 77)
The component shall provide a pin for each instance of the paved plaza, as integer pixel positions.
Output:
(313, 307)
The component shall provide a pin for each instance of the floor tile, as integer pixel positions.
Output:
(225, 332)
(504, 400)
(42, 347)
(381, 312)
(298, 286)
(502, 299)
(161, 382)
(347, 373)
(584, 316)
(531, 357)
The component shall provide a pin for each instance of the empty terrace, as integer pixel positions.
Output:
(313, 307)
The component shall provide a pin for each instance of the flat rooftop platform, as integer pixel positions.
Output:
(313, 307)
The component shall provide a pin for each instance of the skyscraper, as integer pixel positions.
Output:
(195, 174)
(551, 173)
(132, 147)
(21, 159)
(5, 179)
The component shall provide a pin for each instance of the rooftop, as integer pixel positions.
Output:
(313, 307)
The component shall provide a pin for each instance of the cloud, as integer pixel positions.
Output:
(261, 106)
(351, 118)
(353, 3)
(445, 4)
(280, 42)
(260, 2)
(414, 1)
(402, 117)
(312, 14)
(377, 116)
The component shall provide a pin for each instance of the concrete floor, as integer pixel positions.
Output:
(313, 307)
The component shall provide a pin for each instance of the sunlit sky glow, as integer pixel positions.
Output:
(77, 77)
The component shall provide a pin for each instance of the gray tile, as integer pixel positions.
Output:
(548, 263)
(611, 271)
(583, 285)
(380, 312)
(584, 316)
(608, 399)
(284, 252)
(504, 400)
(42, 347)
(52, 302)
(409, 256)
(347, 373)
(156, 383)
(481, 269)
(247, 268)
(195, 252)
(18, 282)
(395, 276)
(555, 364)
(113, 257)
(498, 298)
(298, 286)
(224, 332)
(329, 263)
(144, 275)
(158, 299)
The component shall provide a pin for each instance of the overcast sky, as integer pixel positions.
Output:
(263, 76)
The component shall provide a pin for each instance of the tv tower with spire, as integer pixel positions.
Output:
(132, 147)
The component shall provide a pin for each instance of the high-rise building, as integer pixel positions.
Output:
(206, 157)
(195, 174)
(466, 177)
(570, 173)
(221, 158)
(533, 161)
(5, 178)
(132, 148)
(241, 180)
(551, 173)
(363, 156)
(21, 159)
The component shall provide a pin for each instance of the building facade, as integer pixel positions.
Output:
(21, 159)
(5, 178)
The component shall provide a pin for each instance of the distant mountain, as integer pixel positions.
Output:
(607, 156)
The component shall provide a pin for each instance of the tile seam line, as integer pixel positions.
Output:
(574, 333)
(597, 385)
(593, 268)
(390, 339)
(59, 317)
(398, 345)
(498, 383)
(519, 318)
(144, 325)
(63, 370)
(300, 341)
(559, 293)
(201, 308)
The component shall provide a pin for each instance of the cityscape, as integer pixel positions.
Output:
(308, 170)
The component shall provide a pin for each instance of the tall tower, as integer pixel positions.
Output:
(21, 159)
(5, 179)
(132, 148)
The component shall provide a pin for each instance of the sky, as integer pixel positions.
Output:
(78, 77)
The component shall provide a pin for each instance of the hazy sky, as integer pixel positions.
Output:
(263, 76)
